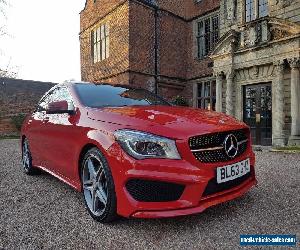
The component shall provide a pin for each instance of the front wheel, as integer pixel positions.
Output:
(27, 159)
(98, 187)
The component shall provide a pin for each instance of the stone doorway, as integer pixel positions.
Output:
(257, 112)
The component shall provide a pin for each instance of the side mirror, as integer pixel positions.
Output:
(60, 107)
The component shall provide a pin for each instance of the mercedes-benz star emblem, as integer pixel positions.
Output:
(231, 145)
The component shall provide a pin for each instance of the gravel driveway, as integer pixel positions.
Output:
(41, 212)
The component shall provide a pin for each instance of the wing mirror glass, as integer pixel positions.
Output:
(60, 107)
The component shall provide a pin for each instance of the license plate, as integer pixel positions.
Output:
(231, 172)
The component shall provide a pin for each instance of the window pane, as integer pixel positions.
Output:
(199, 90)
(207, 36)
(200, 29)
(98, 34)
(94, 36)
(201, 47)
(213, 104)
(207, 89)
(200, 103)
(103, 50)
(213, 88)
(200, 40)
(215, 30)
(250, 11)
(106, 29)
(102, 35)
(98, 52)
(262, 8)
(107, 47)
(207, 104)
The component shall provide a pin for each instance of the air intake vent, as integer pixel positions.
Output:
(154, 191)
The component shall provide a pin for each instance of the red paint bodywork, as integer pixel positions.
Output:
(57, 141)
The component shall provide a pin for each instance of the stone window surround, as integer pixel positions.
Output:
(195, 31)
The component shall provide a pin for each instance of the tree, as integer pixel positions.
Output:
(7, 71)
(8, 74)
(3, 5)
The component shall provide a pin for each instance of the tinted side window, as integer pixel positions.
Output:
(62, 94)
(42, 106)
(58, 94)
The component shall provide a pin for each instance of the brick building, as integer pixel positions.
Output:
(147, 43)
(236, 56)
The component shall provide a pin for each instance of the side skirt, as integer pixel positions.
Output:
(62, 178)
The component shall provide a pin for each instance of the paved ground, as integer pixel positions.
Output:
(41, 212)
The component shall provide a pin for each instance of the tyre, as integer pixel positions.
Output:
(27, 159)
(98, 187)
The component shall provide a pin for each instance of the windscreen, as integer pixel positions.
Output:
(98, 96)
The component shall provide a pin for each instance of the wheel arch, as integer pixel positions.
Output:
(23, 137)
(82, 153)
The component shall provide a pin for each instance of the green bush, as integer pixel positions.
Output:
(18, 120)
(180, 101)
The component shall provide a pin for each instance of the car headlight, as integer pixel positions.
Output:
(141, 145)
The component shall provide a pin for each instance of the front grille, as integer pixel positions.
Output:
(213, 187)
(154, 191)
(211, 148)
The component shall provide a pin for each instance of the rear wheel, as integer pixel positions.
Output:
(98, 187)
(27, 159)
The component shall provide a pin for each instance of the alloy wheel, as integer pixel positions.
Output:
(26, 156)
(94, 185)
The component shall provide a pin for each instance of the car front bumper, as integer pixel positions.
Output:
(188, 172)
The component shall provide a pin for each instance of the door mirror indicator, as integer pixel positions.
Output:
(60, 107)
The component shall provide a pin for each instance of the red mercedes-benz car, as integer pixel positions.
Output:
(133, 154)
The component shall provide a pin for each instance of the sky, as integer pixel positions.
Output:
(42, 42)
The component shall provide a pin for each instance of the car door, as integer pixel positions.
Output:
(36, 130)
(61, 137)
